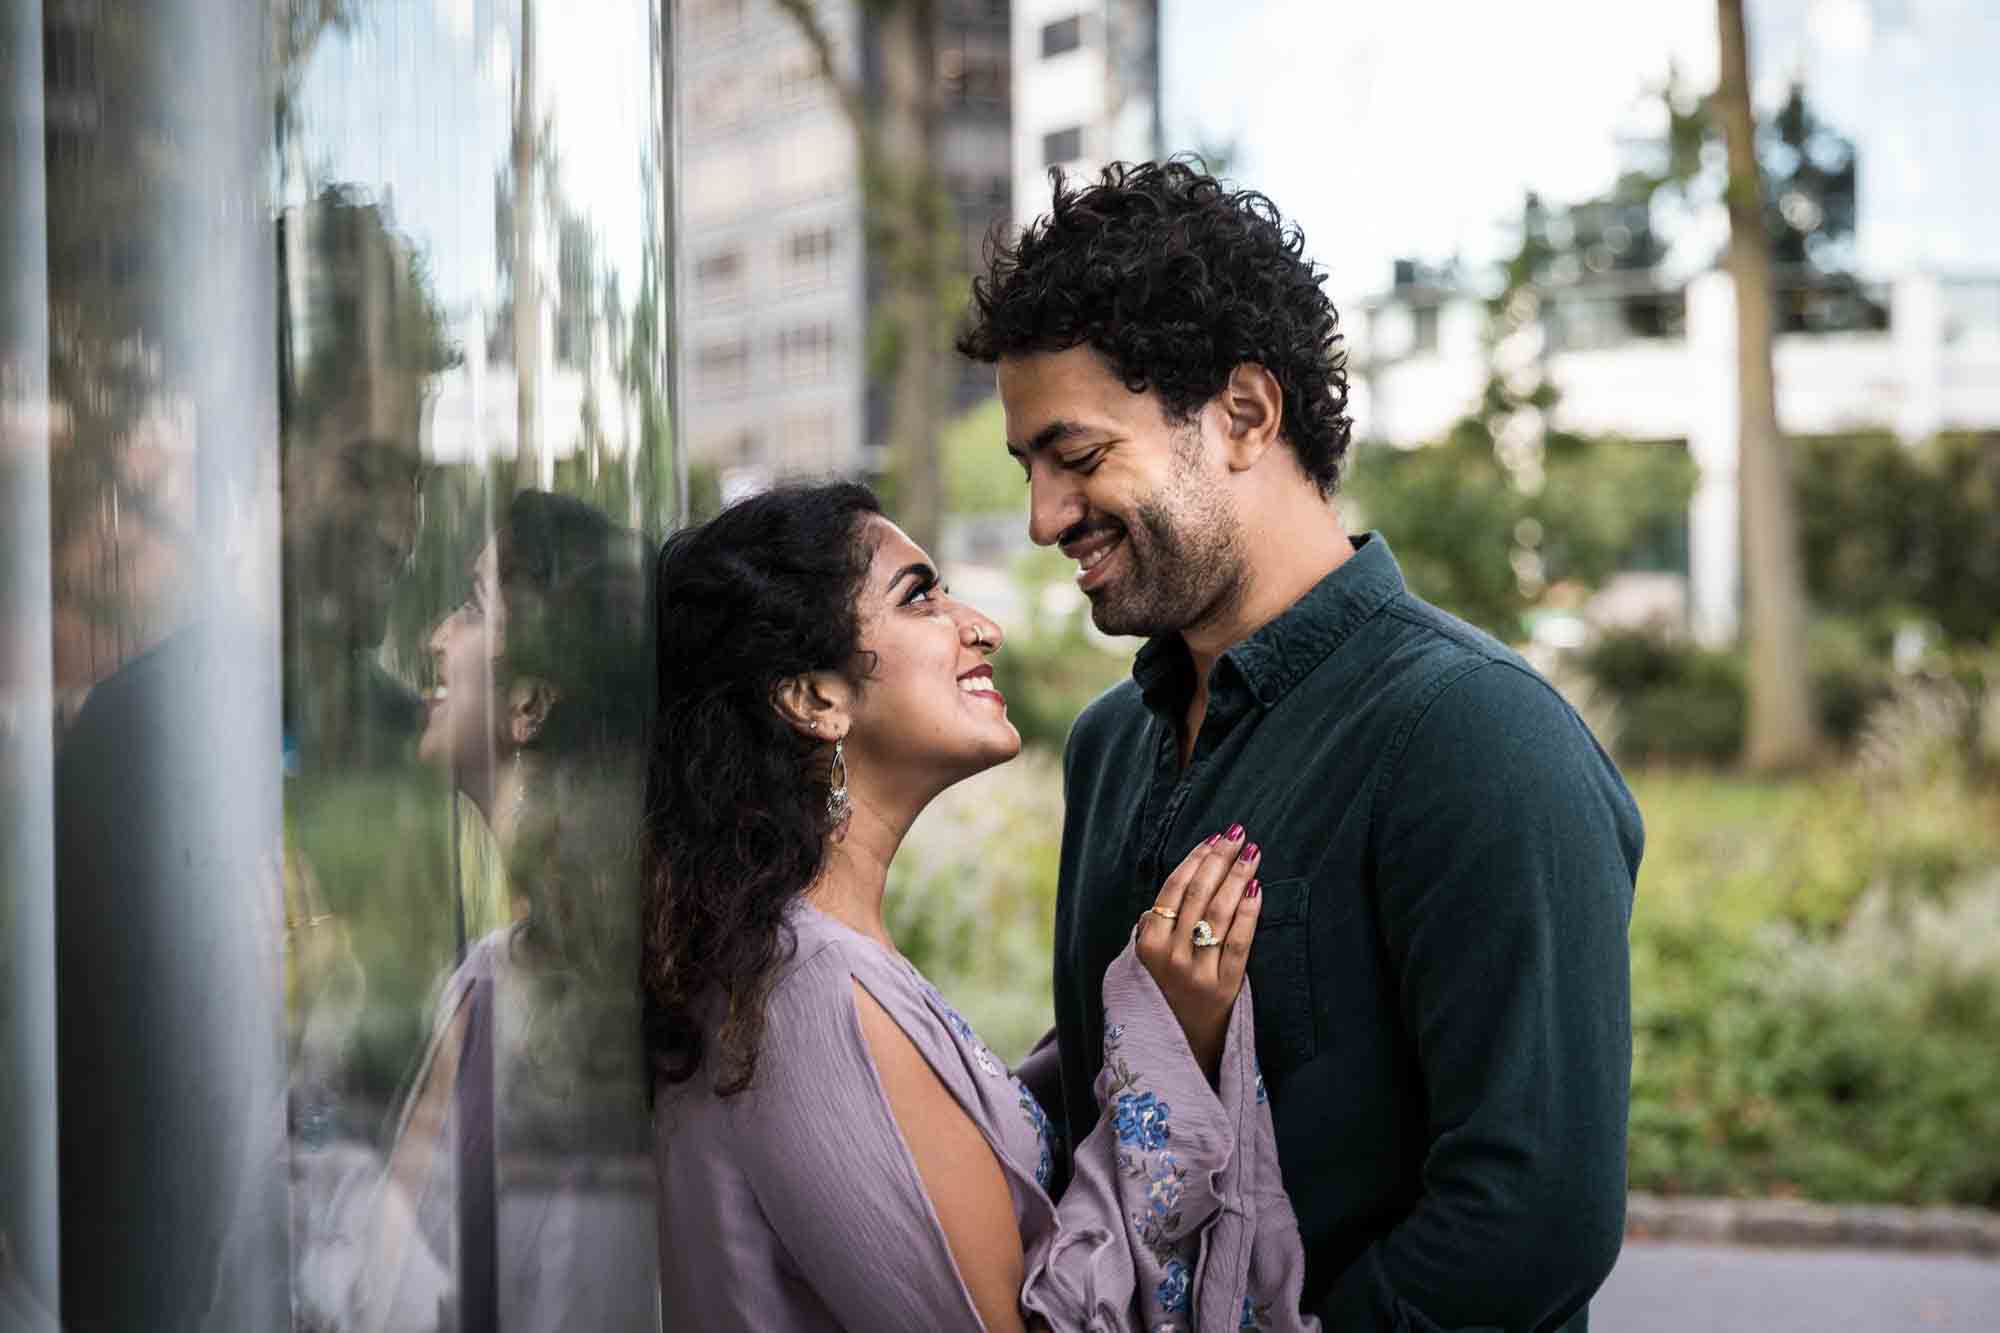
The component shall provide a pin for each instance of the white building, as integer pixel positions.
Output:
(1086, 90)
(1420, 364)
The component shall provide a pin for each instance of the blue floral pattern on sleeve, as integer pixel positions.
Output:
(1045, 1135)
(1047, 1140)
(1141, 1121)
(981, 1056)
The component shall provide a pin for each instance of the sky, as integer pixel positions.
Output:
(1412, 128)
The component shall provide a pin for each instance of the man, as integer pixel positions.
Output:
(1440, 971)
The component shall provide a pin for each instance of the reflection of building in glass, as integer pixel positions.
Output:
(1086, 90)
(779, 278)
(1637, 356)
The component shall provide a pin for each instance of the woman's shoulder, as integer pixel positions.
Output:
(817, 986)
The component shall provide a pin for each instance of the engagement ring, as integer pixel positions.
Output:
(1205, 936)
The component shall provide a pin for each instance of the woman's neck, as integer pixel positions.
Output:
(504, 797)
(855, 874)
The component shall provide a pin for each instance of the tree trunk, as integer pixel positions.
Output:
(911, 236)
(913, 262)
(527, 287)
(1781, 731)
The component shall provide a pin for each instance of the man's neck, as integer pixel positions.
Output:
(1290, 552)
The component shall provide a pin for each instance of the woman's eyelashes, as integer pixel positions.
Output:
(925, 590)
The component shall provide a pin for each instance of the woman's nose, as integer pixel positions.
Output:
(979, 632)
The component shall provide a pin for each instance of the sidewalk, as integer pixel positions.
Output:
(1673, 1287)
(1797, 1224)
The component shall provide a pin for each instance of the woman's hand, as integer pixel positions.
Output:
(1215, 885)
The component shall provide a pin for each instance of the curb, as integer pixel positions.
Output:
(1796, 1223)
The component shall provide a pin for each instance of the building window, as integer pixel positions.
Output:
(723, 366)
(719, 273)
(1062, 146)
(1062, 36)
(806, 256)
(974, 69)
(806, 352)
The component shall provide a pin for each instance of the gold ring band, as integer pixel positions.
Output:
(1164, 913)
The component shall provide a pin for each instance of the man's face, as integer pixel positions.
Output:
(1137, 500)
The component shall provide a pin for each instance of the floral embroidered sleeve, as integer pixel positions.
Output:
(1175, 1217)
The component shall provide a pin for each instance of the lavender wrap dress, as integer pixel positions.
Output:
(796, 1206)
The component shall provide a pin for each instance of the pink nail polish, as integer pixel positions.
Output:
(1249, 852)
(1235, 832)
(1211, 839)
(1256, 887)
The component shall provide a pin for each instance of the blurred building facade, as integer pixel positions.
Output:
(1086, 90)
(776, 266)
(1648, 360)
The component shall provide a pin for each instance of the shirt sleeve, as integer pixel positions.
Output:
(1505, 897)
(1176, 1216)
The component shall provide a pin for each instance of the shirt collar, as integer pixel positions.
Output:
(1276, 656)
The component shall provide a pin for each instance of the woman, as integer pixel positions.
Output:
(837, 1149)
(517, 1182)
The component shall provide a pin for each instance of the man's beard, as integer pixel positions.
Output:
(1184, 566)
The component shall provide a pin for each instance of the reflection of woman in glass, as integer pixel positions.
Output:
(520, 1165)
(838, 1150)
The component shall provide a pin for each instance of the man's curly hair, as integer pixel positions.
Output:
(1175, 281)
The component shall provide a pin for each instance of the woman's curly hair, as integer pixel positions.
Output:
(736, 798)
(1175, 281)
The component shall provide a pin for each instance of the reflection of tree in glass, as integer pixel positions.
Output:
(594, 337)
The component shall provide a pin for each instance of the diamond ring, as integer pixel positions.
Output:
(1205, 936)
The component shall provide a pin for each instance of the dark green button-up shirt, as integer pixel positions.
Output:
(1440, 972)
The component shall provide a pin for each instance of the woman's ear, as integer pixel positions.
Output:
(530, 700)
(816, 703)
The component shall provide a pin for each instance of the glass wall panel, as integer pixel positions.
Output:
(334, 440)
(27, 870)
(476, 460)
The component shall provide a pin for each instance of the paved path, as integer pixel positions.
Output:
(1661, 1287)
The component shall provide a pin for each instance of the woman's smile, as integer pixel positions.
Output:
(978, 683)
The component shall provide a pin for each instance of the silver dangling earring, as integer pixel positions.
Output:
(836, 796)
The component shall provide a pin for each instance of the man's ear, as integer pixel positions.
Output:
(530, 700)
(817, 703)
(1252, 408)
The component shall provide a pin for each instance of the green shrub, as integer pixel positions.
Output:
(1680, 702)
(1892, 530)
(1458, 522)
(1854, 1067)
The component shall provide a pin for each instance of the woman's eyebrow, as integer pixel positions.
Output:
(919, 570)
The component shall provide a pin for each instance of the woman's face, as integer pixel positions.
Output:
(465, 722)
(928, 712)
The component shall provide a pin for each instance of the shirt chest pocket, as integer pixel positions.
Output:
(1281, 978)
